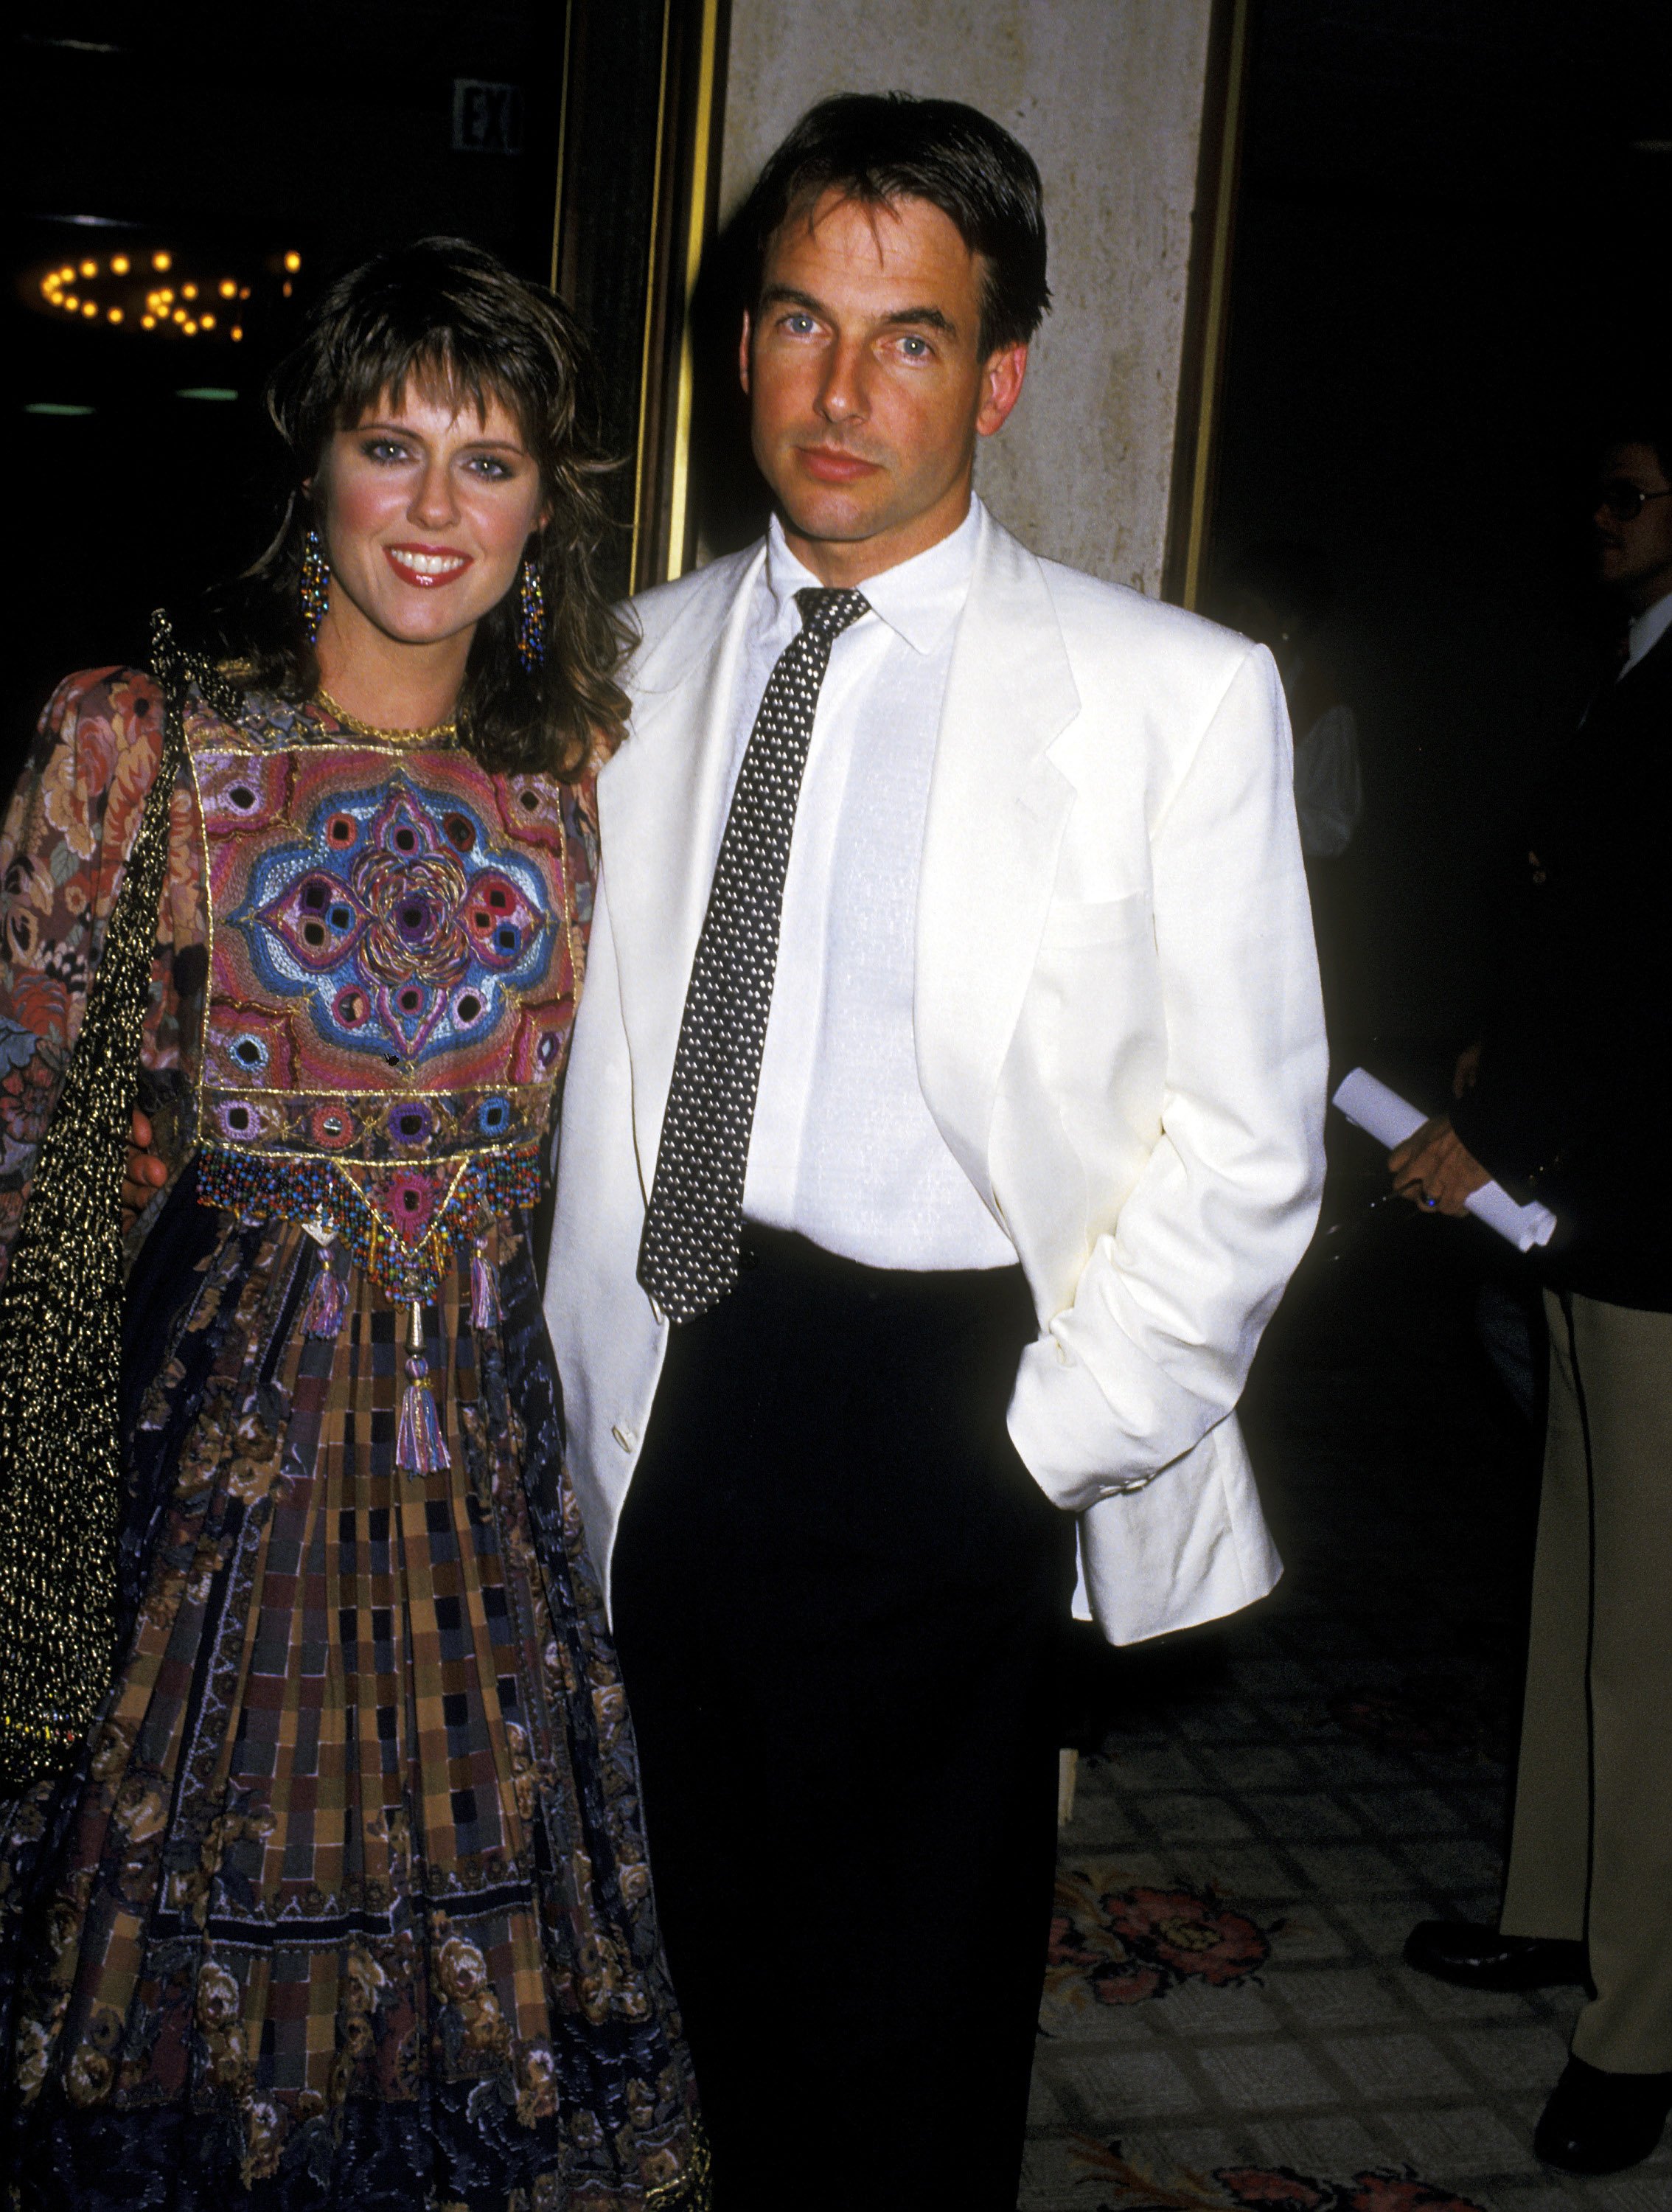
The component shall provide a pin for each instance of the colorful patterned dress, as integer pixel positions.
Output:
(345, 1902)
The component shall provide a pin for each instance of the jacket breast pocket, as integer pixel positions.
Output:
(1090, 925)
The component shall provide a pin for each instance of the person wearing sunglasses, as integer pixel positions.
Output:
(1565, 1097)
(1621, 500)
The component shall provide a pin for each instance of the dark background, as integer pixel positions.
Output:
(1450, 267)
(1451, 253)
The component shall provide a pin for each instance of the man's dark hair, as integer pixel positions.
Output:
(1648, 425)
(880, 147)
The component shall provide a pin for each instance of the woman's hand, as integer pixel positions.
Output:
(1435, 1170)
(144, 1175)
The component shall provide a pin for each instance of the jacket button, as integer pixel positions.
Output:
(624, 1437)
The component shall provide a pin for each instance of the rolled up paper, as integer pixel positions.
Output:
(1383, 1114)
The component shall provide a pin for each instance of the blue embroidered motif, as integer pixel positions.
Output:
(385, 920)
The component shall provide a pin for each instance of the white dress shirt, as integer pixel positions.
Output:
(844, 1149)
(1647, 630)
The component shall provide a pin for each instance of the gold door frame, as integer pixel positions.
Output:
(1208, 306)
(688, 172)
(634, 216)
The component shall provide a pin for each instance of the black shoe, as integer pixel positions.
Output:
(1598, 2123)
(1480, 1959)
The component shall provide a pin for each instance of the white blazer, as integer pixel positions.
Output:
(1119, 1034)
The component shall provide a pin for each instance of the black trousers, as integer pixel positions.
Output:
(839, 1599)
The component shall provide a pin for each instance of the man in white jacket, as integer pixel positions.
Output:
(942, 1126)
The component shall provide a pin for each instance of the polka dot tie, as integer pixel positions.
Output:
(689, 1257)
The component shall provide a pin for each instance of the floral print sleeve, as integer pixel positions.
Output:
(62, 853)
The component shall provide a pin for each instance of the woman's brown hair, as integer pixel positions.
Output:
(450, 318)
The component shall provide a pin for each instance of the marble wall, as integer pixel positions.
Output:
(1106, 94)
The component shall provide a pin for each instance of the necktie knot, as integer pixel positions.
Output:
(825, 613)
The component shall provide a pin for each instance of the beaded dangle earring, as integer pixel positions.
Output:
(315, 586)
(531, 617)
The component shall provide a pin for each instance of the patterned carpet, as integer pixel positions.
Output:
(1227, 2022)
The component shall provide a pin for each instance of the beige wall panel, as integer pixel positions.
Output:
(1106, 94)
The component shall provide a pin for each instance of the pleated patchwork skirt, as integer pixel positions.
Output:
(344, 1903)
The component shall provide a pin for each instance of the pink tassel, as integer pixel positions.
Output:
(485, 1310)
(327, 1302)
(420, 1447)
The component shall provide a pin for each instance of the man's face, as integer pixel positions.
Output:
(1634, 558)
(867, 385)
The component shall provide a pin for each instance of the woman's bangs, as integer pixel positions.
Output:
(435, 369)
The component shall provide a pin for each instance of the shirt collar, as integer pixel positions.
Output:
(920, 600)
(1647, 630)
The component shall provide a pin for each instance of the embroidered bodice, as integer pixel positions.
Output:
(392, 974)
(368, 967)
(391, 962)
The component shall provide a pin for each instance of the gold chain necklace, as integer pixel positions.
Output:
(438, 734)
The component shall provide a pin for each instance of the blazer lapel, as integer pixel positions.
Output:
(997, 811)
(659, 805)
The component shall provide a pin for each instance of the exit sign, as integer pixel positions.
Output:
(487, 119)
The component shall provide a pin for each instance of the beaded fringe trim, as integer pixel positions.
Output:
(337, 1209)
(325, 1196)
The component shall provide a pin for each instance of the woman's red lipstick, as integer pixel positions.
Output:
(428, 565)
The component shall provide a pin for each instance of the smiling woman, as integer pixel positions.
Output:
(322, 1879)
(435, 418)
(401, 608)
